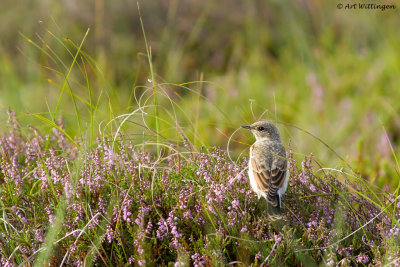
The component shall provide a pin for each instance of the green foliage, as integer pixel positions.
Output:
(332, 72)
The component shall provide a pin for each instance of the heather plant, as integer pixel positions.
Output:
(115, 204)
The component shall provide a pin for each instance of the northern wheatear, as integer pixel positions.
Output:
(268, 171)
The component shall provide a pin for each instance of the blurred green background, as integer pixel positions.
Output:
(217, 65)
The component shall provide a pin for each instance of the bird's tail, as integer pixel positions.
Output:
(274, 211)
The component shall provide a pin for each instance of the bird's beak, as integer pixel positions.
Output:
(246, 127)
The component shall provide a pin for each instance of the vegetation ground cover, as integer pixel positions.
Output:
(125, 149)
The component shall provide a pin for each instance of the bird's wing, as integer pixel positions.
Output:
(269, 176)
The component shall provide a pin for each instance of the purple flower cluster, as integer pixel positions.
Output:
(197, 210)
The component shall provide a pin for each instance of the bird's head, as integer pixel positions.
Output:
(264, 130)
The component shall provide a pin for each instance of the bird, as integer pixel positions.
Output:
(268, 167)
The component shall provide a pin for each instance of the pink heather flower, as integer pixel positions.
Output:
(395, 262)
(362, 258)
(68, 190)
(244, 229)
(175, 232)
(126, 213)
(278, 239)
(198, 260)
(207, 177)
(211, 209)
(313, 188)
(162, 229)
(39, 235)
(109, 234)
(109, 156)
(187, 214)
(394, 231)
(303, 178)
(235, 204)
(131, 260)
(149, 228)
(73, 247)
(51, 216)
(175, 243)
(19, 214)
(220, 193)
(5, 262)
(330, 262)
(232, 218)
(313, 223)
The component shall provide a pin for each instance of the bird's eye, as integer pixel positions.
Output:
(260, 128)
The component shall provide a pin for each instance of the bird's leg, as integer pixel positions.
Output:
(279, 202)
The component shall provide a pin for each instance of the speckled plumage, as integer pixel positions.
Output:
(268, 165)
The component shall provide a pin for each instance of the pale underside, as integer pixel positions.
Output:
(261, 176)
